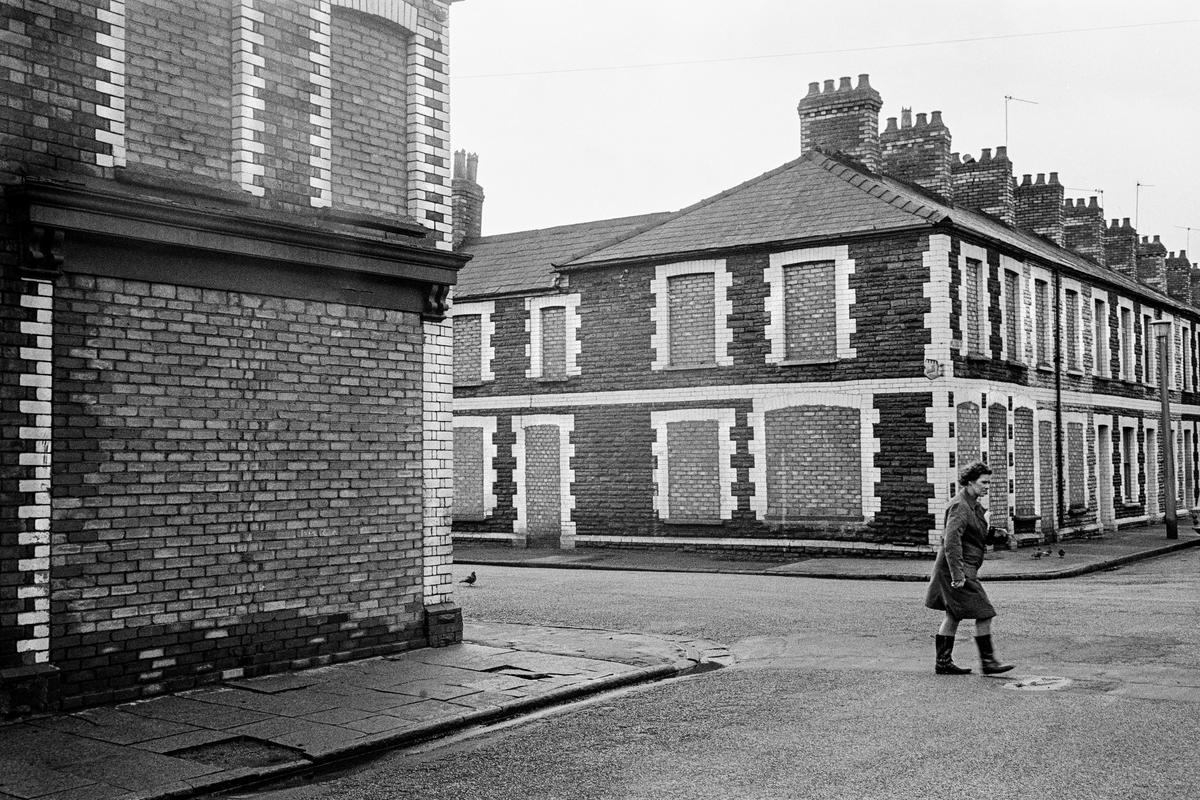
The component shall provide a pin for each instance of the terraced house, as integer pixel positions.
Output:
(225, 251)
(803, 362)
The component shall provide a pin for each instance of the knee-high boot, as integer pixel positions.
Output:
(987, 657)
(945, 664)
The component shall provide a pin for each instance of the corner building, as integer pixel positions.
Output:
(225, 247)
(803, 362)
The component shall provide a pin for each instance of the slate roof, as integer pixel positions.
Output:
(816, 196)
(521, 262)
(820, 196)
(802, 199)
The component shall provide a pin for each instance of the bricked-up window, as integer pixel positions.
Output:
(1071, 311)
(813, 464)
(474, 468)
(1101, 359)
(467, 344)
(553, 346)
(810, 315)
(178, 105)
(692, 319)
(1186, 356)
(1149, 351)
(1025, 498)
(554, 343)
(1012, 316)
(1076, 466)
(1041, 299)
(468, 473)
(975, 289)
(1126, 336)
(370, 113)
(694, 472)
(1129, 464)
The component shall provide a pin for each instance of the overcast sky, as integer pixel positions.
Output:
(582, 110)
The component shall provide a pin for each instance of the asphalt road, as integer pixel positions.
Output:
(833, 695)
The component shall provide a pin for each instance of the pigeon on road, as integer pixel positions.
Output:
(469, 580)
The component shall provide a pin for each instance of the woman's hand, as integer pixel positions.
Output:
(958, 584)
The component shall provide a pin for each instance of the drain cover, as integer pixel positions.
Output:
(1039, 683)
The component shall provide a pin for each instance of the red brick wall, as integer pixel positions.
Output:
(219, 501)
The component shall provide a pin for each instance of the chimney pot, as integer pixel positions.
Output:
(814, 87)
(1093, 202)
(1171, 255)
(1002, 152)
(1125, 222)
(891, 124)
(936, 118)
(1054, 179)
(922, 120)
(1026, 179)
(985, 155)
(844, 84)
(828, 85)
(1145, 240)
(1041, 179)
(864, 81)
(905, 117)
(1156, 238)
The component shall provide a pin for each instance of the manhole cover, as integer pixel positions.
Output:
(1039, 683)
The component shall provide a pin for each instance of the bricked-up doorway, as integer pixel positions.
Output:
(543, 476)
(1104, 476)
(543, 479)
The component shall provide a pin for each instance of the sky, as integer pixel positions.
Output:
(583, 110)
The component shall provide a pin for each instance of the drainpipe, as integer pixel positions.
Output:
(1058, 414)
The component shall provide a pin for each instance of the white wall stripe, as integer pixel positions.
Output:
(247, 169)
(34, 476)
(321, 158)
(437, 462)
(112, 108)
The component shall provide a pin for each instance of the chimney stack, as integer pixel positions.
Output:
(1083, 229)
(918, 153)
(845, 120)
(985, 185)
(1196, 285)
(1152, 263)
(1039, 206)
(1179, 277)
(466, 198)
(1120, 248)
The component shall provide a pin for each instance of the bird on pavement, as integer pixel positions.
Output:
(1062, 553)
(469, 580)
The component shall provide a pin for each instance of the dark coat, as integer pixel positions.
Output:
(964, 545)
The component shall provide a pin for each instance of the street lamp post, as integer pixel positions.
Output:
(1162, 333)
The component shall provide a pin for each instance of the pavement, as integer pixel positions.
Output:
(1044, 562)
(243, 732)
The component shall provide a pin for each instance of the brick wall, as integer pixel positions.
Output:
(997, 441)
(1023, 468)
(1048, 466)
(467, 347)
(810, 330)
(219, 507)
(814, 463)
(691, 318)
(177, 87)
(554, 343)
(468, 473)
(369, 112)
(694, 480)
(543, 476)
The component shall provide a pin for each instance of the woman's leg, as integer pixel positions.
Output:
(983, 627)
(944, 642)
(950, 626)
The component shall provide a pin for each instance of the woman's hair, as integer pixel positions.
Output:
(973, 472)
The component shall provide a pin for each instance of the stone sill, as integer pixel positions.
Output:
(552, 380)
(1045, 368)
(713, 522)
(1077, 373)
(804, 362)
(680, 367)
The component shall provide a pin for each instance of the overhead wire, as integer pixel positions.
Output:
(832, 51)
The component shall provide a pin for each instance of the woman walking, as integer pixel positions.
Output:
(954, 587)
